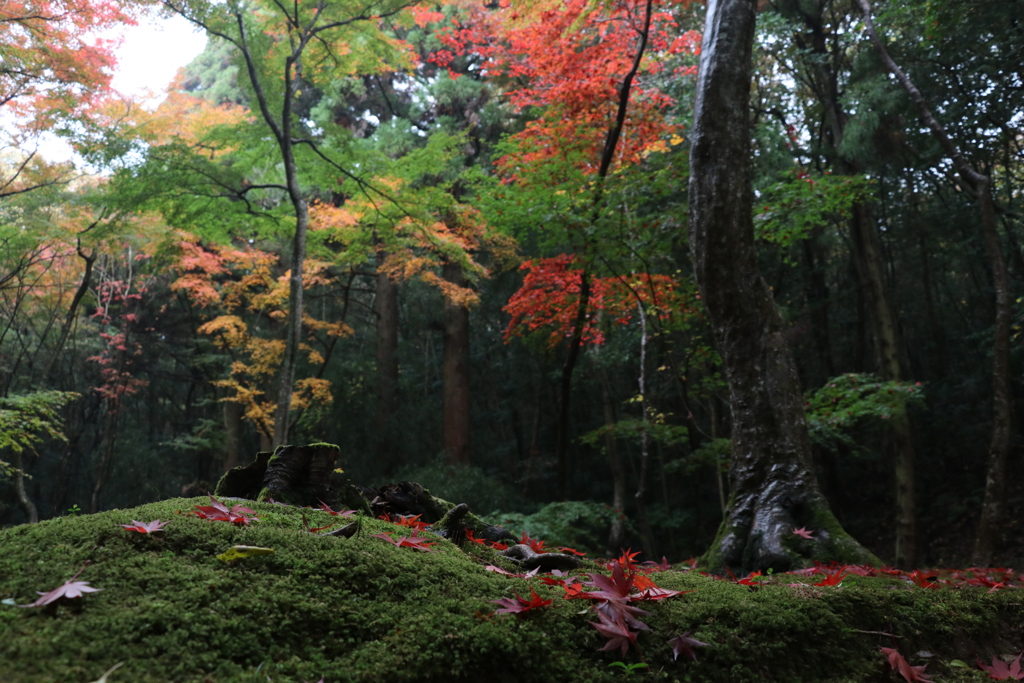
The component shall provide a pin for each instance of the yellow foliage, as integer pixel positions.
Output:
(231, 330)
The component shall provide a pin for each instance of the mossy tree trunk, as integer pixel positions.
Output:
(773, 485)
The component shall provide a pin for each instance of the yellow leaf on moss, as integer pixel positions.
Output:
(242, 552)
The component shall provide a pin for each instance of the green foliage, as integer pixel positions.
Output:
(847, 399)
(787, 211)
(28, 419)
(656, 429)
(582, 525)
(482, 492)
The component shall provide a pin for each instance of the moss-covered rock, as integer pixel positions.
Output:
(361, 609)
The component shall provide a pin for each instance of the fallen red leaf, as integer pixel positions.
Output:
(683, 645)
(69, 589)
(518, 605)
(1001, 671)
(912, 674)
(619, 635)
(413, 540)
(220, 513)
(145, 527)
(804, 533)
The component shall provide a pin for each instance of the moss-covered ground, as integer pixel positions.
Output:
(362, 609)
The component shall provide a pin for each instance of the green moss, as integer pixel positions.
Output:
(361, 609)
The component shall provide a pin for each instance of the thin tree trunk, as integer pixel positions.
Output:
(386, 307)
(233, 412)
(24, 500)
(69, 320)
(582, 309)
(1002, 408)
(867, 250)
(640, 497)
(773, 485)
(455, 374)
(617, 532)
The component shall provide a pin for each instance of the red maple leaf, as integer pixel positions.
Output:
(833, 578)
(1001, 671)
(923, 579)
(341, 513)
(616, 631)
(220, 513)
(145, 527)
(413, 540)
(803, 533)
(470, 536)
(535, 545)
(899, 663)
(69, 589)
(519, 605)
(684, 644)
(315, 530)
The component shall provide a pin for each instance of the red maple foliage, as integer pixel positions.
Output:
(549, 298)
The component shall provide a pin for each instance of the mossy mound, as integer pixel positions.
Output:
(362, 609)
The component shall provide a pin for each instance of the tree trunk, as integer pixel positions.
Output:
(233, 413)
(455, 374)
(31, 512)
(868, 260)
(386, 308)
(773, 485)
(867, 250)
(1002, 405)
(617, 532)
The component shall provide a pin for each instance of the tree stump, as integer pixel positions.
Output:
(296, 475)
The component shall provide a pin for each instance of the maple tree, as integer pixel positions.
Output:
(284, 50)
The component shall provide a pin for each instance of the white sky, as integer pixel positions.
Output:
(147, 60)
(152, 53)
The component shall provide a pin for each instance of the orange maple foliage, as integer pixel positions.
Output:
(54, 61)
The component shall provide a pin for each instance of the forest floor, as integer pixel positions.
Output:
(361, 609)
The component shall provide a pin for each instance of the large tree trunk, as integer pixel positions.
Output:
(386, 308)
(1002, 407)
(773, 486)
(455, 374)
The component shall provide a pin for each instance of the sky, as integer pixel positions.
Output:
(152, 53)
(148, 58)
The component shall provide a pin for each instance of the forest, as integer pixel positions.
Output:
(462, 241)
